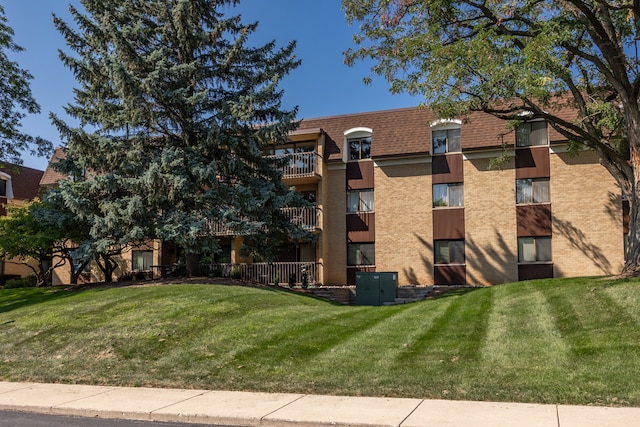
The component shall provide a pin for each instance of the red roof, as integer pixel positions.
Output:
(25, 182)
(51, 176)
(407, 131)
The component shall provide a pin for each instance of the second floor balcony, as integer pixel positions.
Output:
(300, 166)
(305, 217)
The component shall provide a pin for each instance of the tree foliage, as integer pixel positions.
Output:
(572, 63)
(15, 101)
(25, 239)
(175, 109)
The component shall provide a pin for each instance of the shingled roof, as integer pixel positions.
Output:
(51, 176)
(407, 131)
(25, 181)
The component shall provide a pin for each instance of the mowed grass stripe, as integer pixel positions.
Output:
(553, 341)
(457, 334)
(522, 332)
(523, 347)
(379, 348)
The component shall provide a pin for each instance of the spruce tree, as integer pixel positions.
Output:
(174, 109)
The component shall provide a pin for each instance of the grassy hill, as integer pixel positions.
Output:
(554, 341)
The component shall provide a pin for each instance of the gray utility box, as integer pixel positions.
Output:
(375, 288)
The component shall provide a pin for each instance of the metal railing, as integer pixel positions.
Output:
(299, 165)
(279, 273)
(306, 217)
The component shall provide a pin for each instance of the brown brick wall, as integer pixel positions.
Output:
(491, 250)
(334, 232)
(404, 234)
(587, 217)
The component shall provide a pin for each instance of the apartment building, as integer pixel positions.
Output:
(402, 191)
(19, 185)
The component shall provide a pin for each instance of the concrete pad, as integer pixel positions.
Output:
(225, 408)
(446, 413)
(43, 397)
(125, 402)
(592, 416)
(352, 411)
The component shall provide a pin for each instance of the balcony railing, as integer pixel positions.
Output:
(279, 273)
(306, 217)
(300, 165)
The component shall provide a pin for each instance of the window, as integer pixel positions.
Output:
(3, 188)
(532, 133)
(447, 195)
(360, 201)
(445, 141)
(534, 249)
(361, 254)
(142, 260)
(359, 148)
(449, 251)
(532, 190)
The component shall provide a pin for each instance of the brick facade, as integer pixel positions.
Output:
(582, 219)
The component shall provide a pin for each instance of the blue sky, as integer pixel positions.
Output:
(321, 86)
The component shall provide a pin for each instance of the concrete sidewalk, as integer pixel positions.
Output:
(262, 409)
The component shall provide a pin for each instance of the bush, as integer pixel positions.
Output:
(5, 277)
(22, 282)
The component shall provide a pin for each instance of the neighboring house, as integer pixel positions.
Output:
(19, 185)
(401, 191)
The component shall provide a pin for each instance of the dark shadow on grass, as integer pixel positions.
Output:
(451, 291)
(26, 300)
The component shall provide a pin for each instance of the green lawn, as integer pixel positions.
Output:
(555, 341)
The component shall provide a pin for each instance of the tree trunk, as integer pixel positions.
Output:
(632, 255)
(107, 266)
(192, 262)
(75, 273)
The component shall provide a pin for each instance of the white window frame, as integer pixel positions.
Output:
(9, 187)
(446, 125)
(353, 134)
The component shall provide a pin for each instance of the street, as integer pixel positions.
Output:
(26, 419)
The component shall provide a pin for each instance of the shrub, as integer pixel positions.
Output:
(22, 282)
(5, 277)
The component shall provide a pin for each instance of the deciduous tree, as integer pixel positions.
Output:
(24, 239)
(511, 57)
(175, 108)
(15, 101)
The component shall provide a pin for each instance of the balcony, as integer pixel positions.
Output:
(305, 217)
(279, 273)
(302, 167)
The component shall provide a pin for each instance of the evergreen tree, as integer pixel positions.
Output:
(175, 109)
(15, 101)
